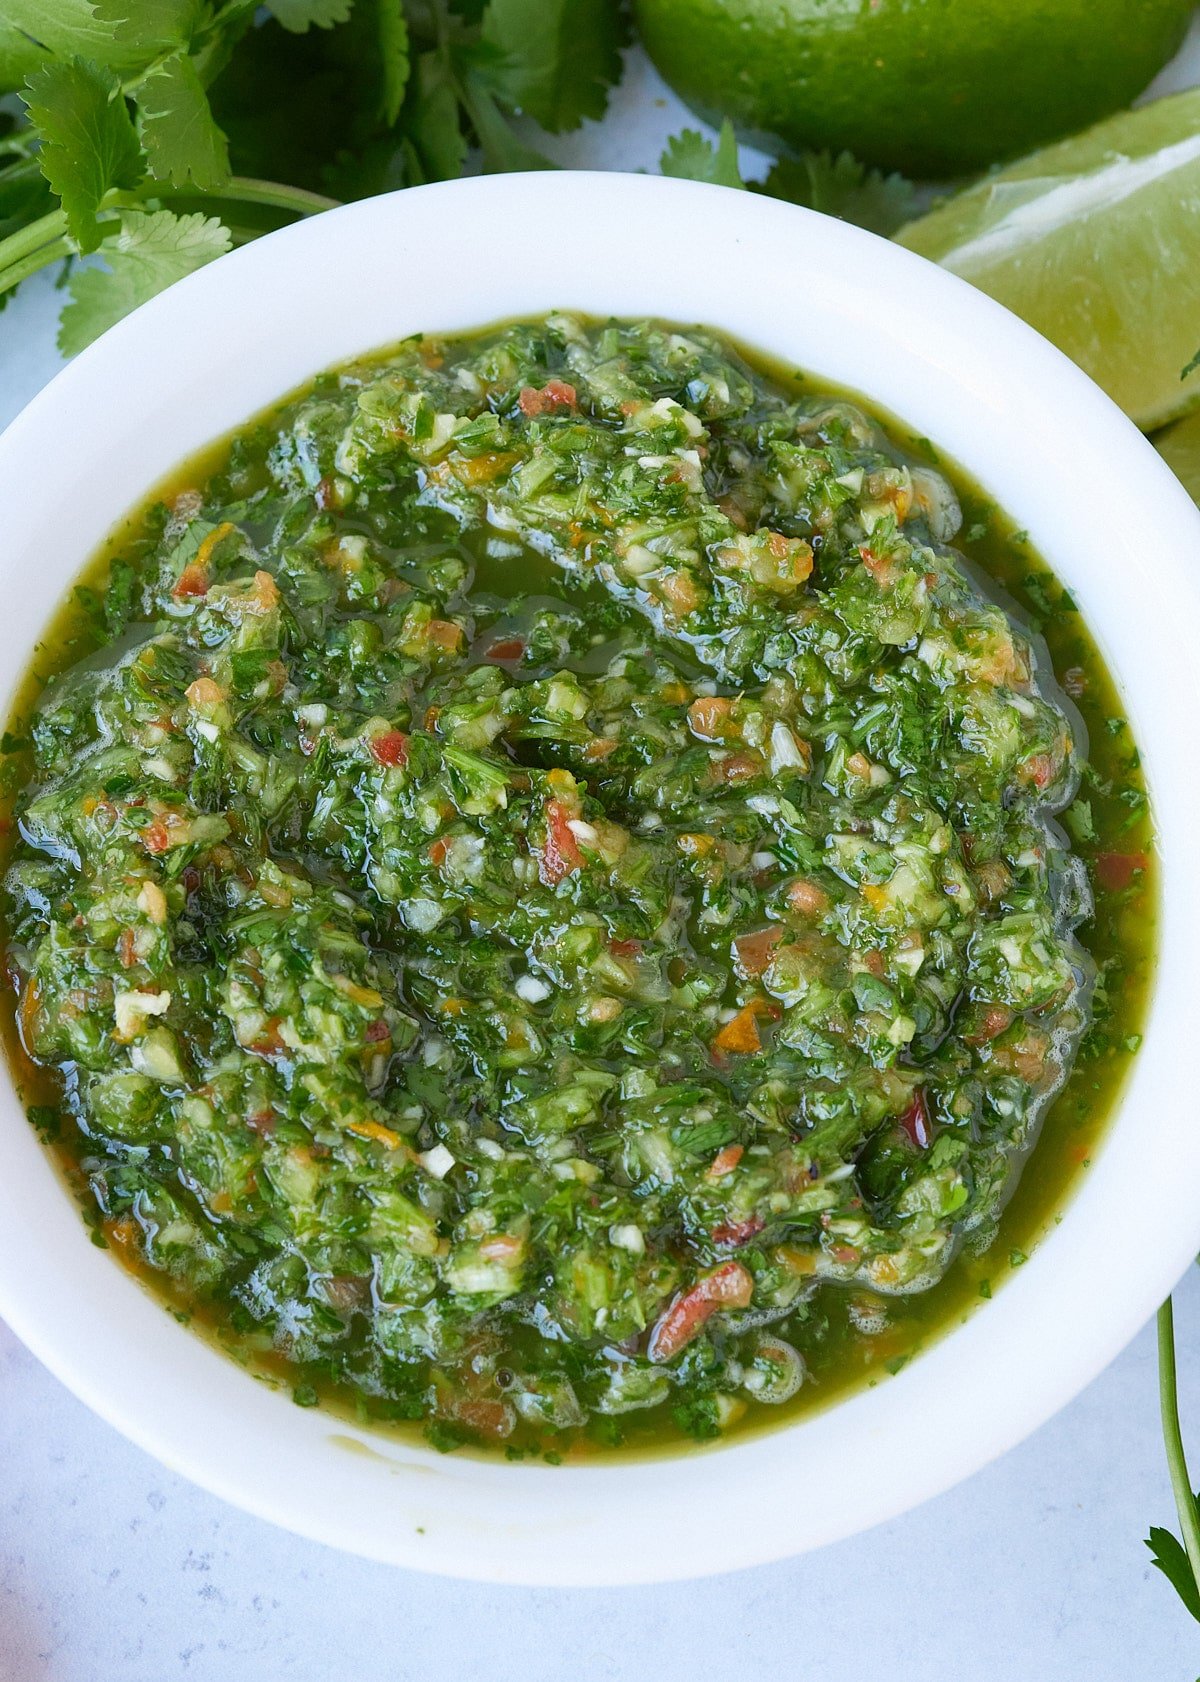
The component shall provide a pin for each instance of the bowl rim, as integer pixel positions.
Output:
(1039, 435)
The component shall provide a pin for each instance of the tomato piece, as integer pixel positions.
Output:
(560, 854)
(754, 950)
(994, 1019)
(734, 1233)
(807, 898)
(725, 1161)
(740, 1033)
(544, 400)
(740, 767)
(728, 1286)
(155, 837)
(915, 1120)
(1117, 870)
(192, 581)
(391, 748)
(1040, 769)
(711, 718)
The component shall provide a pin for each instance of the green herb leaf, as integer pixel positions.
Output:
(181, 138)
(434, 125)
(125, 35)
(555, 60)
(1079, 821)
(841, 186)
(1190, 366)
(152, 250)
(19, 57)
(1170, 1556)
(152, 27)
(88, 140)
(502, 149)
(301, 15)
(393, 54)
(690, 157)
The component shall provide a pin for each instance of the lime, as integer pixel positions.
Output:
(1179, 446)
(1096, 243)
(930, 87)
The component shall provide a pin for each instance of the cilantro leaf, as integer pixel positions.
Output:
(19, 57)
(301, 15)
(152, 250)
(555, 60)
(434, 125)
(1079, 821)
(690, 157)
(502, 149)
(125, 35)
(88, 139)
(841, 186)
(393, 53)
(1169, 1555)
(182, 141)
(152, 27)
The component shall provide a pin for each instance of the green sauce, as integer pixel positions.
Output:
(534, 905)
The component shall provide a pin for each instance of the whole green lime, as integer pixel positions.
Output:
(930, 87)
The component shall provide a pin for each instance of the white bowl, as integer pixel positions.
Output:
(1052, 450)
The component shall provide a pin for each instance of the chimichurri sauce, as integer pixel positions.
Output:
(549, 898)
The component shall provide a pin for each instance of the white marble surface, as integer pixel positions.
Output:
(112, 1570)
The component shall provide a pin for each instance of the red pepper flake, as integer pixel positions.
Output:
(437, 851)
(377, 1031)
(728, 1286)
(915, 1120)
(625, 948)
(391, 748)
(262, 1122)
(506, 650)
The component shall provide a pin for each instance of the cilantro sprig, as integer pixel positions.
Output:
(1179, 1561)
(837, 185)
(159, 133)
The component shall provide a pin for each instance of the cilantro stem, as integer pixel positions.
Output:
(45, 240)
(12, 274)
(44, 231)
(1181, 1484)
(243, 189)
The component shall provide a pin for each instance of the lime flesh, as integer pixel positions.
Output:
(930, 87)
(1095, 242)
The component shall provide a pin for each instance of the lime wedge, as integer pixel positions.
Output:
(1095, 241)
(1179, 446)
